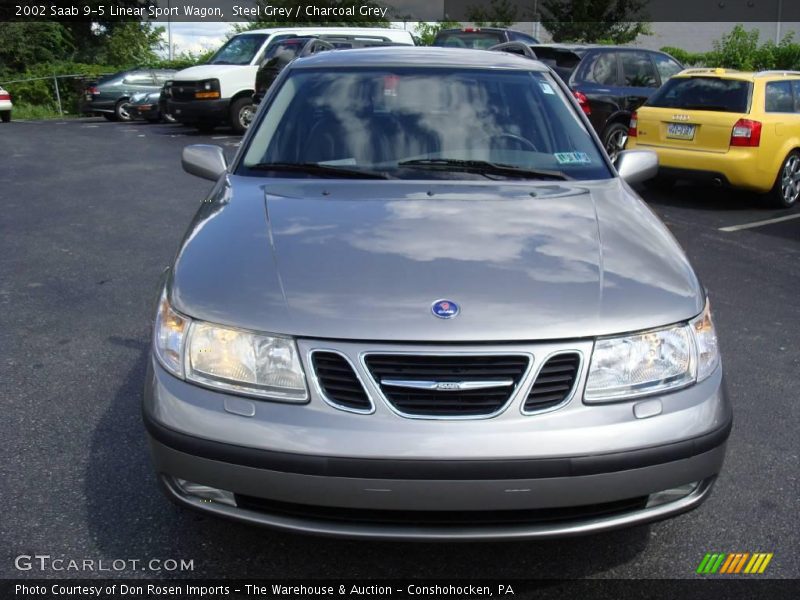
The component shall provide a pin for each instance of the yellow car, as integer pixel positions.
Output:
(728, 127)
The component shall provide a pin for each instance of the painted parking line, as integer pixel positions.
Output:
(759, 223)
(221, 137)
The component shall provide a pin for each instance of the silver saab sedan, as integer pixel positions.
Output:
(421, 303)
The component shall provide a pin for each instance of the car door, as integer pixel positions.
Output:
(597, 78)
(639, 79)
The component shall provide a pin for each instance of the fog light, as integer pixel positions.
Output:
(671, 495)
(205, 493)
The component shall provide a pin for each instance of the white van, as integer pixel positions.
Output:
(220, 91)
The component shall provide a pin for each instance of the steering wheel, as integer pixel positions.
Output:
(513, 136)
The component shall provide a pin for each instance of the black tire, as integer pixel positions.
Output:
(242, 113)
(109, 116)
(121, 112)
(786, 191)
(614, 138)
(5, 116)
(206, 126)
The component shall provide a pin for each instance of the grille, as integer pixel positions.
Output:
(436, 369)
(339, 382)
(441, 517)
(554, 382)
(183, 90)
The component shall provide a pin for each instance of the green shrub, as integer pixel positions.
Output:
(740, 49)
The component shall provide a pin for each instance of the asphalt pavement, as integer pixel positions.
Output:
(93, 211)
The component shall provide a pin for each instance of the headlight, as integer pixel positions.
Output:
(229, 359)
(169, 337)
(705, 337)
(652, 362)
(245, 362)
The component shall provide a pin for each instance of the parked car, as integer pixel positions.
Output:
(221, 91)
(480, 38)
(421, 302)
(727, 127)
(610, 82)
(5, 105)
(110, 95)
(284, 51)
(147, 106)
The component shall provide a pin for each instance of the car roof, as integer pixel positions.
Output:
(721, 73)
(420, 56)
(475, 29)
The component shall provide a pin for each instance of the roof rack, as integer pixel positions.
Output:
(769, 72)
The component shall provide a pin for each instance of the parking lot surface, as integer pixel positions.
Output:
(93, 211)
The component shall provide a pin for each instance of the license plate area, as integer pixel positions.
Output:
(680, 131)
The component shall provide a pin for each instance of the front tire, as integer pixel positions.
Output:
(121, 112)
(786, 190)
(5, 116)
(614, 138)
(242, 112)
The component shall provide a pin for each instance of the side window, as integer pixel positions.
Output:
(666, 67)
(138, 79)
(637, 70)
(517, 36)
(796, 89)
(779, 97)
(599, 67)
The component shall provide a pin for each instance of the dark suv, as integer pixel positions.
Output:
(610, 82)
(284, 51)
(480, 38)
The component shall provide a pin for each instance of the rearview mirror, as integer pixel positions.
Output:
(636, 166)
(204, 160)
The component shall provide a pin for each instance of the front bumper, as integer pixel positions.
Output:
(317, 469)
(196, 111)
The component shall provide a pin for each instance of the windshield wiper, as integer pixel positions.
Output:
(483, 167)
(318, 169)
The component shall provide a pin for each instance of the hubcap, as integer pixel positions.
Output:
(246, 115)
(790, 180)
(123, 113)
(615, 143)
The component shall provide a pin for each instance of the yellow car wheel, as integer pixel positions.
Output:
(787, 185)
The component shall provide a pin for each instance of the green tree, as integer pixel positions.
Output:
(355, 20)
(425, 32)
(133, 43)
(499, 13)
(594, 21)
(30, 43)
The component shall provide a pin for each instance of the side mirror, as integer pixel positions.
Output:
(635, 166)
(204, 160)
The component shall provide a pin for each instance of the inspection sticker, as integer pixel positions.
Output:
(546, 88)
(572, 158)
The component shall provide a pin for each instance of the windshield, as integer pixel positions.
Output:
(420, 123)
(239, 50)
(703, 93)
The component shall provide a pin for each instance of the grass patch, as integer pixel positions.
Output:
(36, 112)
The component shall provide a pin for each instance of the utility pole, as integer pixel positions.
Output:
(169, 32)
(778, 24)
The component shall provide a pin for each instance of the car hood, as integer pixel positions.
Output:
(366, 260)
(201, 72)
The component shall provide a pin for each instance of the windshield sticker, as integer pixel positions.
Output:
(572, 158)
(546, 88)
